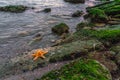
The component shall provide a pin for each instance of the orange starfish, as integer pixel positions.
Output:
(39, 53)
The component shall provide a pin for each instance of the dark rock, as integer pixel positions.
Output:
(46, 10)
(38, 35)
(14, 8)
(118, 58)
(60, 28)
(77, 13)
(81, 26)
(75, 1)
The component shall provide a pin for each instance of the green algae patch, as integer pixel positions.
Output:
(110, 35)
(98, 15)
(81, 69)
(13, 8)
(103, 12)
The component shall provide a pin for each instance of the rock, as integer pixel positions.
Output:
(98, 15)
(75, 1)
(38, 35)
(57, 42)
(113, 22)
(60, 29)
(63, 36)
(116, 48)
(114, 19)
(75, 49)
(77, 13)
(36, 38)
(84, 25)
(118, 59)
(14, 8)
(106, 59)
(80, 69)
(23, 33)
(46, 10)
(53, 41)
(100, 24)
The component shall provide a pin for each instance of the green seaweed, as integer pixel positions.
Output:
(81, 69)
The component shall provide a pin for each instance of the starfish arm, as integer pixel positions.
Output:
(33, 55)
(43, 56)
(35, 58)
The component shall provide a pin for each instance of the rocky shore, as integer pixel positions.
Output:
(92, 52)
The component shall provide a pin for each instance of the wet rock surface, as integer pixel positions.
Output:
(46, 10)
(77, 13)
(75, 1)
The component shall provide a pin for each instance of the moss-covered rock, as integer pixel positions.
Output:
(98, 15)
(106, 35)
(60, 28)
(75, 1)
(100, 12)
(75, 49)
(81, 69)
(13, 8)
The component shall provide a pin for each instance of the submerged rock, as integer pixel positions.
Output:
(60, 28)
(23, 33)
(77, 13)
(46, 10)
(75, 1)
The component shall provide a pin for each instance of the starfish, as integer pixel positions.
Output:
(39, 53)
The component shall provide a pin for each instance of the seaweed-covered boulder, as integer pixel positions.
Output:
(14, 8)
(75, 1)
(77, 13)
(60, 28)
(98, 15)
(81, 69)
(75, 49)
